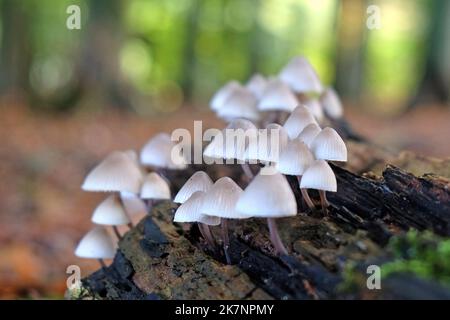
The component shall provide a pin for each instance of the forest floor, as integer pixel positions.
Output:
(43, 212)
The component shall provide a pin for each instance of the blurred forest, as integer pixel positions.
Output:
(136, 67)
(153, 56)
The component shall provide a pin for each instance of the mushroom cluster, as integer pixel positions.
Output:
(280, 119)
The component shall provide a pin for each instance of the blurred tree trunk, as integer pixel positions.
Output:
(351, 45)
(435, 84)
(15, 51)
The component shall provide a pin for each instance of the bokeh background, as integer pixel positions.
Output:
(136, 67)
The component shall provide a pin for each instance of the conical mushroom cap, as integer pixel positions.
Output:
(270, 143)
(117, 172)
(190, 211)
(328, 145)
(155, 187)
(268, 196)
(133, 204)
(315, 108)
(256, 85)
(301, 76)
(160, 151)
(298, 120)
(295, 158)
(222, 94)
(199, 181)
(241, 103)
(277, 96)
(319, 176)
(220, 200)
(96, 244)
(110, 212)
(331, 103)
(309, 133)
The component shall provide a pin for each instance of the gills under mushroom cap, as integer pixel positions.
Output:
(117, 172)
(199, 181)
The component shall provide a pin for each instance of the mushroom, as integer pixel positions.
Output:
(96, 244)
(269, 196)
(190, 211)
(309, 133)
(134, 206)
(161, 152)
(154, 188)
(222, 94)
(117, 172)
(241, 103)
(315, 107)
(277, 98)
(321, 177)
(220, 201)
(256, 85)
(294, 160)
(199, 181)
(111, 212)
(301, 77)
(298, 120)
(331, 103)
(243, 132)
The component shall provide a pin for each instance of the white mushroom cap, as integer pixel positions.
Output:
(256, 84)
(328, 145)
(319, 176)
(110, 212)
(220, 200)
(117, 172)
(240, 134)
(277, 96)
(96, 244)
(309, 133)
(315, 108)
(301, 76)
(331, 103)
(190, 211)
(268, 196)
(155, 187)
(241, 103)
(160, 151)
(269, 146)
(222, 94)
(199, 181)
(295, 158)
(298, 120)
(133, 204)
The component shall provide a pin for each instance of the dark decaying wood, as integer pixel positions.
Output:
(161, 260)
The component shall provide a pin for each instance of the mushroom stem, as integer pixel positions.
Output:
(305, 195)
(275, 237)
(130, 225)
(116, 232)
(323, 201)
(226, 239)
(206, 234)
(247, 171)
(102, 262)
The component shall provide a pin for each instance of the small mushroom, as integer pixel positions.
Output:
(294, 160)
(222, 94)
(332, 105)
(111, 212)
(309, 133)
(241, 103)
(315, 107)
(160, 152)
(154, 188)
(220, 201)
(321, 177)
(328, 145)
(190, 211)
(96, 244)
(298, 120)
(277, 98)
(199, 181)
(301, 77)
(269, 196)
(256, 85)
(117, 172)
